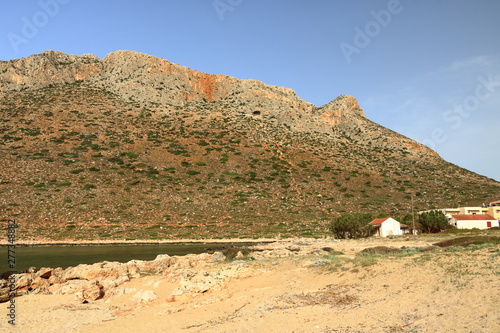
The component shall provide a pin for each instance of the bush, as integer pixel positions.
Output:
(351, 225)
(434, 221)
(466, 241)
(381, 250)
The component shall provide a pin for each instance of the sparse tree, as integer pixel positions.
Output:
(351, 225)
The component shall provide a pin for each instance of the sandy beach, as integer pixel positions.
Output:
(292, 286)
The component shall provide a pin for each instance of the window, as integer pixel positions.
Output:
(488, 224)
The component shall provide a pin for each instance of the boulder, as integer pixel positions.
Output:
(144, 296)
(44, 272)
(92, 293)
(54, 279)
(39, 282)
(133, 268)
(108, 284)
(4, 295)
(218, 256)
(22, 281)
(162, 257)
(161, 263)
(71, 287)
(98, 271)
(120, 291)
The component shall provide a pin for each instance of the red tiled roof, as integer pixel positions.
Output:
(379, 221)
(495, 202)
(473, 217)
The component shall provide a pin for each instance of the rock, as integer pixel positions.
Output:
(54, 279)
(320, 262)
(133, 268)
(4, 295)
(41, 283)
(99, 271)
(162, 257)
(161, 263)
(121, 280)
(108, 284)
(22, 281)
(239, 255)
(71, 287)
(293, 248)
(93, 293)
(121, 291)
(45, 272)
(144, 296)
(218, 256)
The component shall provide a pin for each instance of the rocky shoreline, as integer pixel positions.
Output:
(92, 282)
(102, 280)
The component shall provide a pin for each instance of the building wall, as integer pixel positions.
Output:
(473, 210)
(471, 224)
(494, 211)
(390, 227)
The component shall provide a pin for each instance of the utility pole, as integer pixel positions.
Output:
(413, 217)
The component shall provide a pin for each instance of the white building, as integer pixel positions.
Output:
(388, 227)
(471, 221)
(492, 209)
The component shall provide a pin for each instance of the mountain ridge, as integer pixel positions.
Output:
(146, 79)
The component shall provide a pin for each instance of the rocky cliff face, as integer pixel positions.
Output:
(140, 77)
(149, 80)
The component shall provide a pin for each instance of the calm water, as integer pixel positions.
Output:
(65, 256)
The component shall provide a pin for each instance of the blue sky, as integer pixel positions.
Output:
(427, 69)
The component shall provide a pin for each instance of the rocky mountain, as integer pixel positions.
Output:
(133, 146)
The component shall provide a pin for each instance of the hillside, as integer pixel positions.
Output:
(135, 147)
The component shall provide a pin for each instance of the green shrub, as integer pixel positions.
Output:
(466, 241)
(351, 225)
(434, 221)
(381, 250)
